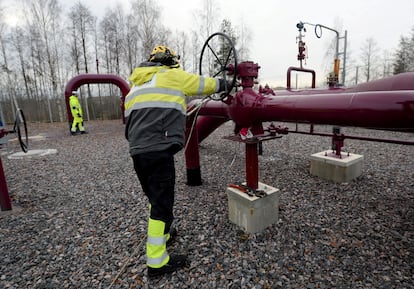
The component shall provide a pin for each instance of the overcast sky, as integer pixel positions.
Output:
(272, 24)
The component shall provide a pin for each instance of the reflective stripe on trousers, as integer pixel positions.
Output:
(77, 122)
(157, 255)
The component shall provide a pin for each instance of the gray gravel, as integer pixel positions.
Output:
(79, 216)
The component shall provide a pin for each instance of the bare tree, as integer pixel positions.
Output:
(144, 18)
(208, 18)
(386, 60)
(5, 68)
(114, 40)
(352, 68)
(112, 26)
(37, 62)
(196, 45)
(244, 39)
(133, 53)
(82, 26)
(18, 40)
(369, 58)
(44, 21)
(181, 44)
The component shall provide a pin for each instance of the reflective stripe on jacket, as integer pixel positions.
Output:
(161, 86)
(155, 107)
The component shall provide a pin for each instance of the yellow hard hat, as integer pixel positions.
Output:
(164, 55)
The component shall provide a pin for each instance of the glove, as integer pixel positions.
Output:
(79, 115)
(224, 85)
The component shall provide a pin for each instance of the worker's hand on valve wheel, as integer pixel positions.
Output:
(224, 85)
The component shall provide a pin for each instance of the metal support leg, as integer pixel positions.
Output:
(4, 193)
(252, 166)
(192, 154)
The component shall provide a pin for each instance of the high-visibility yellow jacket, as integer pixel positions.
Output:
(155, 107)
(75, 106)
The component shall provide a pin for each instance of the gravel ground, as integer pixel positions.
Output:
(79, 216)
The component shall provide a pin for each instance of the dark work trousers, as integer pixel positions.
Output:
(156, 173)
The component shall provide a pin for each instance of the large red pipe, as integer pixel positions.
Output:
(380, 109)
(366, 105)
(402, 81)
(383, 104)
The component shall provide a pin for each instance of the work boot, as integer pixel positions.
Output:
(173, 235)
(84, 132)
(175, 262)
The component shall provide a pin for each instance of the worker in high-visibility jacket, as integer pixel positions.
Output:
(76, 110)
(155, 113)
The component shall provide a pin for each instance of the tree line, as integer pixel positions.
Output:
(49, 46)
(375, 63)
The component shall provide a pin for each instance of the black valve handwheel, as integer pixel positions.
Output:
(21, 132)
(219, 59)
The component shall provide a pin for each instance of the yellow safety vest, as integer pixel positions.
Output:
(165, 87)
(75, 106)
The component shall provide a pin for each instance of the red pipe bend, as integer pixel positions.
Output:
(82, 79)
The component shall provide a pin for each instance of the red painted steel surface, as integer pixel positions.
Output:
(382, 104)
(191, 146)
(5, 203)
(252, 166)
(4, 193)
(82, 79)
(361, 106)
(299, 69)
(380, 109)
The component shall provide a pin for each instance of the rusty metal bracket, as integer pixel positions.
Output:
(249, 191)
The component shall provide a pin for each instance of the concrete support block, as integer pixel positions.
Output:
(253, 214)
(327, 165)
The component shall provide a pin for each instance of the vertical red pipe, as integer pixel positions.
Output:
(300, 69)
(4, 193)
(192, 154)
(252, 166)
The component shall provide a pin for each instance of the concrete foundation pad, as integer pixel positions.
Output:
(331, 167)
(253, 214)
(32, 153)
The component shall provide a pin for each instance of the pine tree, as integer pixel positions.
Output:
(404, 56)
